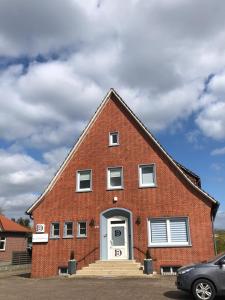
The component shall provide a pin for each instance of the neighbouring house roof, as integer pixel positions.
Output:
(7, 225)
(181, 169)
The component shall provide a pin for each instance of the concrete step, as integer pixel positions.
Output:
(108, 272)
(118, 265)
(112, 268)
(126, 261)
(116, 276)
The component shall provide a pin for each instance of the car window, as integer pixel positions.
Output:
(219, 256)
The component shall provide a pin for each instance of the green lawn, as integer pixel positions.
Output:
(220, 240)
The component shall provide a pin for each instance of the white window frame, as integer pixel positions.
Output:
(169, 243)
(78, 189)
(4, 242)
(63, 273)
(171, 271)
(142, 185)
(65, 235)
(78, 230)
(111, 138)
(109, 187)
(52, 236)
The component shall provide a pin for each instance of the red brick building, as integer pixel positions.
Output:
(119, 193)
(13, 237)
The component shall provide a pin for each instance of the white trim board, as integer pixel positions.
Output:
(84, 133)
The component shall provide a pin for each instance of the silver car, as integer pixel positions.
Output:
(205, 280)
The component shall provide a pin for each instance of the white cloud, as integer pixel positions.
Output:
(55, 157)
(211, 119)
(47, 106)
(31, 27)
(21, 179)
(218, 151)
(154, 56)
(21, 173)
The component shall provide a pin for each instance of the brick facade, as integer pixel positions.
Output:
(173, 196)
(14, 242)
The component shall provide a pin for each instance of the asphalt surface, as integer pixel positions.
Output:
(21, 287)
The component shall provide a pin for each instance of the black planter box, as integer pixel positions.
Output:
(72, 267)
(148, 266)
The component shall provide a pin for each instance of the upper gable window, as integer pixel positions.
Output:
(84, 181)
(147, 176)
(113, 138)
(115, 178)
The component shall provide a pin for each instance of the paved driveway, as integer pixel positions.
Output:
(18, 287)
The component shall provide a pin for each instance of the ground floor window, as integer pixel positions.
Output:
(55, 230)
(2, 243)
(82, 229)
(63, 270)
(169, 270)
(68, 229)
(164, 232)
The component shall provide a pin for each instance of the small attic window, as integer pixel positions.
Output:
(114, 138)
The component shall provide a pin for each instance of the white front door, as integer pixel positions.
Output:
(118, 238)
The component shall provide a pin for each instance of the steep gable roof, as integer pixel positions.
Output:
(10, 226)
(112, 92)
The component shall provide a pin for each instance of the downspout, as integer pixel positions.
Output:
(213, 215)
(213, 232)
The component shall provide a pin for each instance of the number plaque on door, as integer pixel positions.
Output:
(117, 233)
(118, 252)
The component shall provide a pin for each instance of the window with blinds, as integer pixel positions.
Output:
(159, 231)
(115, 178)
(168, 232)
(178, 231)
(147, 175)
(84, 179)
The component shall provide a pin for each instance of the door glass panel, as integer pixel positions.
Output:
(118, 236)
(117, 222)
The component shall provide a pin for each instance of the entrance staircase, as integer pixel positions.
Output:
(122, 268)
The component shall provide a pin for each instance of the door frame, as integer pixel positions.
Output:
(126, 237)
(104, 216)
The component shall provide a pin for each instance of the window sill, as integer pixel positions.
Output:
(114, 145)
(54, 237)
(68, 237)
(115, 189)
(2, 250)
(83, 191)
(81, 237)
(147, 186)
(169, 246)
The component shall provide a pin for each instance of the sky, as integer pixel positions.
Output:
(58, 59)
